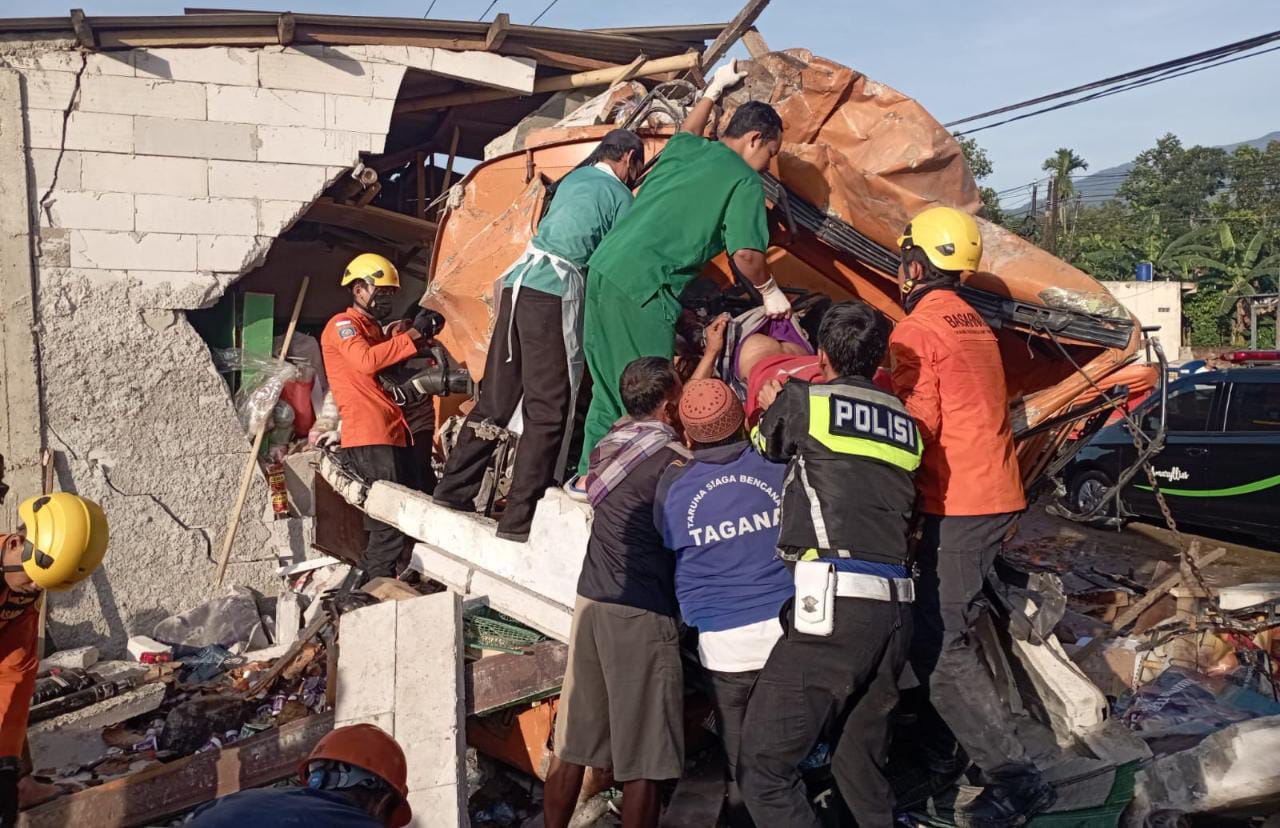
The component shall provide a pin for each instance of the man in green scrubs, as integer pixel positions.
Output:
(535, 355)
(701, 198)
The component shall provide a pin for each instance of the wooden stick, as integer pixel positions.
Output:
(453, 154)
(736, 28)
(420, 179)
(233, 521)
(46, 487)
(594, 77)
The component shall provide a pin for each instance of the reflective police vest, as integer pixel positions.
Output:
(852, 451)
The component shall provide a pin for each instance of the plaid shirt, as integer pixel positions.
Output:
(628, 444)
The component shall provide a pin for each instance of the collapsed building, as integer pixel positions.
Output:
(180, 188)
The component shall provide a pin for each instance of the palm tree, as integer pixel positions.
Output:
(1237, 272)
(1061, 165)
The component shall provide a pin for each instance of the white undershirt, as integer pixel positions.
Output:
(739, 649)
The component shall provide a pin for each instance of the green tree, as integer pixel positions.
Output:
(980, 167)
(1175, 183)
(1238, 271)
(1062, 164)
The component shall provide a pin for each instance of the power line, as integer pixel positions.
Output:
(428, 11)
(1146, 71)
(488, 8)
(1116, 90)
(544, 11)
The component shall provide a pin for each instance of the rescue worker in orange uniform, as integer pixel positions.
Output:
(946, 368)
(355, 777)
(374, 434)
(60, 541)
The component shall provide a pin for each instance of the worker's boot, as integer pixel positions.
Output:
(10, 772)
(1013, 796)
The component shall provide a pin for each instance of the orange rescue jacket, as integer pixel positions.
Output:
(19, 626)
(355, 349)
(946, 368)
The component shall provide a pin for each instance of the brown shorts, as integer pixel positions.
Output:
(623, 700)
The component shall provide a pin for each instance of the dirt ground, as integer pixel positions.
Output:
(1135, 550)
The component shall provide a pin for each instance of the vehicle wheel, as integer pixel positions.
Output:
(1087, 489)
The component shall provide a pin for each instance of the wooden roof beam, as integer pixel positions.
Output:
(733, 32)
(497, 32)
(597, 77)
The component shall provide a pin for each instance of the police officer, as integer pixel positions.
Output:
(946, 367)
(375, 435)
(852, 451)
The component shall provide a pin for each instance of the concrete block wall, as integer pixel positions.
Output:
(157, 177)
(400, 667)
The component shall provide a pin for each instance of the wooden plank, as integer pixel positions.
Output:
(84, 32)
(453, 156)
(387, 224)
(207, 36)
(597, 77)
(560, 60)
(162, 791)
(754, 42)
(497, 32)
(370, 36)
(285, 28)
(420, 182)
(737, 27)
(500, 681)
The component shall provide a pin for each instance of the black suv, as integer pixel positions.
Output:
(1220, 467)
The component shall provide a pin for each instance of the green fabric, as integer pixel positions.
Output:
(617, 330)
(698, 201)
(588, 202)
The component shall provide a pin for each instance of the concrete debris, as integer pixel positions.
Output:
(145, 649)
(74, 740)
(78, 658)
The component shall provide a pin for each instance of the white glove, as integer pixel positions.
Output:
(776, 304)
(726, 76)
(330, 439)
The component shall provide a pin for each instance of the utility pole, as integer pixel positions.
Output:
(1051, 222)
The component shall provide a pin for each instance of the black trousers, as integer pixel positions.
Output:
(845, 685)
(396, 464)
(955, 556)
(538, 372)
(729, 693)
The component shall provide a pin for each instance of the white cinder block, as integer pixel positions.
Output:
(84, 130)
(142, 96)
(488, 68)
(193, 139)
(44, 128)
(212, 64)
(49, 90)
(78, 210)
(386, 80)
(123, 251)
(273, 107)
(109, 63)
(443, 807)
(145, 174)
(367, 662)
(274, 217)
(430, 666)
(291, 69)
(241, 179)
(231, 254)
(175, 214)
(46, 163)
(357, 114)
(296, 145)
(100, 132)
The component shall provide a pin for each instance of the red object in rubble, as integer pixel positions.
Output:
(298, 395)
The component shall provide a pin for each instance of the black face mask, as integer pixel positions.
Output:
(379, 306)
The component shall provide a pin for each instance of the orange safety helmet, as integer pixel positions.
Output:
(369, 748)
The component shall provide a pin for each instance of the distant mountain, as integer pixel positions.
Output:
(1101, 185)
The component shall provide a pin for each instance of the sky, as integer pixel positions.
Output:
(957, 59)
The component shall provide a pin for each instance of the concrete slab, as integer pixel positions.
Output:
(548, 565)
(75, 738)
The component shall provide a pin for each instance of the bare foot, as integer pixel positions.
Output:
(32, 792)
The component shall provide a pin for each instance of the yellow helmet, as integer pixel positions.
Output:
(66, 537)
(949, 238)
(373, 268)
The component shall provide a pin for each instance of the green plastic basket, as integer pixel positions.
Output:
(489, 629)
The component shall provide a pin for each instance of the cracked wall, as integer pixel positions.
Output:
(157, 177)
